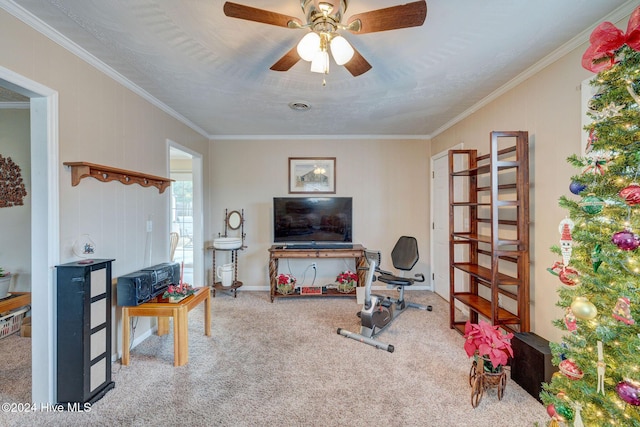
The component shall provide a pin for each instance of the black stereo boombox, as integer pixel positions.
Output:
(143, 285)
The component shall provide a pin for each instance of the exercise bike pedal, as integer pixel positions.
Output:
(359, 314)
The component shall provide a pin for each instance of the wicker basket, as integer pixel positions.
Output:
(11, 323)
(346, 288)
(492, 379)
(286, 289)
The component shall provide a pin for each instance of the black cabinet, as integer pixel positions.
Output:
(83, 331)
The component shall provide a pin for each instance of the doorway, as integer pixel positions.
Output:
(45, 251)
(186, 212)
(440, 222)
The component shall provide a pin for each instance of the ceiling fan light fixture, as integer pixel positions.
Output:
(309, 46)
(320, 63)
(341, 50)
(325, 7)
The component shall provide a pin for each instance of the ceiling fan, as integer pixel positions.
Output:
(324, 20)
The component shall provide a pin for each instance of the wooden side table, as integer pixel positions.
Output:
(164, 310)
(15, 300)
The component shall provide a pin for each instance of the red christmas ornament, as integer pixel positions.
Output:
(631, 194)
(568, 276)
(569, 368)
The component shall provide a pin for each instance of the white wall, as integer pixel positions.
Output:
(388, 180)
(15, 223)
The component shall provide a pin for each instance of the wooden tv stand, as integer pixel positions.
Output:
(276, 252)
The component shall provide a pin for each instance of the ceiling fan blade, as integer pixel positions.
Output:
(235, 10)
(357, 65)
(390, 18)
(287, 61)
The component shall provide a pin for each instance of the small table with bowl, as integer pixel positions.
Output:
(225, 276)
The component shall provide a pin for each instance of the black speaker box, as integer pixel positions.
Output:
(134, 289)
(531, 365)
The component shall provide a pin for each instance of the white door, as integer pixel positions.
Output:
(440, 223)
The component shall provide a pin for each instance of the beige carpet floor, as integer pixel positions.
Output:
(283, 364)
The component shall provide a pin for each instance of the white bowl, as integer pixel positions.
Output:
(227, 243)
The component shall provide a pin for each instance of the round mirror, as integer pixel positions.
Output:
(234, 220)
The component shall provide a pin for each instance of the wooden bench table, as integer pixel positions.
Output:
(164, 310)
(15, 300)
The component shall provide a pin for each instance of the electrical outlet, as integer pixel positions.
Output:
(314, 265)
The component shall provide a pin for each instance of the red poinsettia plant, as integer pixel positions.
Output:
(181, 290)
(487, 341)
(286, 279)
(347, 277)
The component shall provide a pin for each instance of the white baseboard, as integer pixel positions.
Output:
(254, 288)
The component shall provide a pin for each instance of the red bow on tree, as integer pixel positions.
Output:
(606, 38)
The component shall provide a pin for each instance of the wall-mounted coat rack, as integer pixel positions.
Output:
(81, 170)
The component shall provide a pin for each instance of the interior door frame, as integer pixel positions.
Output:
(45, 226)
(432, 203)
(198, 210)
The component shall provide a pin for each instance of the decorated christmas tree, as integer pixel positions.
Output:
(598, 383)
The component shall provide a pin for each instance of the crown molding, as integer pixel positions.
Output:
(34, 22)
(315, 137)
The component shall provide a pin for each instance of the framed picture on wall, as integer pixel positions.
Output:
(312, 175)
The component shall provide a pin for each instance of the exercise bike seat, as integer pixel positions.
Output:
(392, 280)
(404, 256)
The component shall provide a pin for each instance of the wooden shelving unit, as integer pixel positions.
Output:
(102, 173)
(489, 233)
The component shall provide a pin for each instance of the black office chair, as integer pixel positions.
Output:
(404, 257)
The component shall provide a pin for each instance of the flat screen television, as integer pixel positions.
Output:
(312, 219)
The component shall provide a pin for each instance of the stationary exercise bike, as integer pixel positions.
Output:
(379, 311)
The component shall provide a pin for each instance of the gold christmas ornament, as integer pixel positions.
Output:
(583, 309)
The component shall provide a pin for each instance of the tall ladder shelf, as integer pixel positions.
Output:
(489, 234)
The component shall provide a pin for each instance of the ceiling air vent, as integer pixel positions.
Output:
(299, 106)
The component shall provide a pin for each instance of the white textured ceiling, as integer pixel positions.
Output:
(213, 71)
